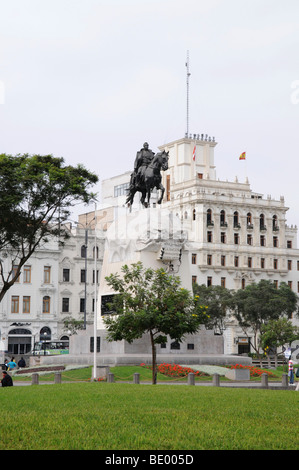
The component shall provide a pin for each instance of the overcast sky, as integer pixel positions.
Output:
(91, 80)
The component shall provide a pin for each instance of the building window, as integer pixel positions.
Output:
(222, 237)
(47, 274)
(66, 275)
(65, 304)
(236, 261)
(175, 345)
(275, 242)
(297, 286)
(222, 260)
(249, 239)
(27, 274)
(168, 188)
(236, 238)
(223, 282)
(14, 272)
(249, 219)
(209, 260)
(275, 263)
(82, 275)
(82, 305)
(190, 346)
(15, 304)
(209, 217)
(26, 304)
(274, 222)
(97, 276)
(263, 263)
(289, 264)
(209, 237)
(194, 214)
(236, 219)
(209, 281)
(83, 251)
(275, 282)
(249, 262)
(121, 189)
(243, 283)
(262, 222)
(289, 243)
(193, 258)
(222, 219)
(262, 240)
(46, 304)
(91, 344)
(290, 284)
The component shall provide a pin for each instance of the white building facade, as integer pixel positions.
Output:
(235, 236)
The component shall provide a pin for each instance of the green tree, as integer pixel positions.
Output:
(36, 196)
(218, 299)
(150, 301)
(259, 303)
(277, 333)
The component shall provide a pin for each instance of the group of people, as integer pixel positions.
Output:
(10, 365)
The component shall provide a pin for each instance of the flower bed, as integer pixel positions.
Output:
(175, 370)
(254, 371)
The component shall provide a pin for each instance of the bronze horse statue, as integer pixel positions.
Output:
(151, 178)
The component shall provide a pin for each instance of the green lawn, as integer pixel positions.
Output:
(123, 416)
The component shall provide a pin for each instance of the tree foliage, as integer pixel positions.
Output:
(277, 333)
(36, 196)
(260, 303)
(150, 301)
(218, 299)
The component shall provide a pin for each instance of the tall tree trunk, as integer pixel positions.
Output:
(154, 359)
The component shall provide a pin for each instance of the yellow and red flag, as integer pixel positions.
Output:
(242, 156)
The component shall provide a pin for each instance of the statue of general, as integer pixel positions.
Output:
(143, 158)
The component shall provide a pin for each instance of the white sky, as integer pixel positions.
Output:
(92, 80)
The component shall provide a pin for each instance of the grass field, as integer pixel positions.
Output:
(120, 416)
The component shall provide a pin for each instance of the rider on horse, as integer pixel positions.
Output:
(143, 158)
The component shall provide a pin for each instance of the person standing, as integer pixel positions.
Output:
(291, 370)
(7, 380)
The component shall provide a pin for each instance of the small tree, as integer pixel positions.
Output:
(258, 304)
(218, 299)
(278, 333)
(150, 301)
(36, 195)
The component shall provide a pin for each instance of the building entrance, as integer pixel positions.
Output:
(19, 341)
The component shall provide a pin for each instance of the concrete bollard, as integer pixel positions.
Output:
(35, 379)
(216, 380)
(191, 378)
(110, 378)
(264, 381)
(57, 378)
(284, 380)
(136, 378)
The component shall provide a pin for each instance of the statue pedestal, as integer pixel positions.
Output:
(153, 237)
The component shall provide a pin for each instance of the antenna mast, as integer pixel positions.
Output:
(188, 75)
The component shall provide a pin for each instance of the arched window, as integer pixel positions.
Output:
(236, 219)
(222, 218)
(83, 251)
(249, 219)
(45, 333)
(262, 221)
(97, 251)
(209, 217)
(274, 222)
(194, 214)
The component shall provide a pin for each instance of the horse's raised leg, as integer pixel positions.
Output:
(162, 189)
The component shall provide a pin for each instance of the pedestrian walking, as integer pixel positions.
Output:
(291, 371)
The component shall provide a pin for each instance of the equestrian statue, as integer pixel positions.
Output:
(147, 175)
